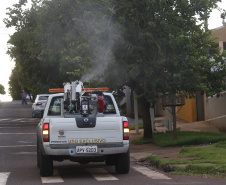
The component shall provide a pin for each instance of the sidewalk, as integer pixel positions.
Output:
(140, 152)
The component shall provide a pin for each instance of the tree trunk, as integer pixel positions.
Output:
(174, 122)
(144, 107)
(200, 106)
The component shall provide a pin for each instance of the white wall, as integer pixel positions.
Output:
(215, 111)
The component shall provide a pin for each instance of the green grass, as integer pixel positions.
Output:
(184, 138)
(142, 141)
(159, 163)
(132, 127)
(212, 154)
(202, 161)
(208, 160)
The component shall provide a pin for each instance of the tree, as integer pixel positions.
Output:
(151, 46)
(55, 42)
(2, 89)
(42, 51)
(165, 50)
(14, 87)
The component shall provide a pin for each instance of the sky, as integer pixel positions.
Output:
(6, 64)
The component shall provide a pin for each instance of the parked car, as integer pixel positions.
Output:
(39, 104)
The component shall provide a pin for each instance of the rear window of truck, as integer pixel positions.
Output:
(109, 105)
(55, 106)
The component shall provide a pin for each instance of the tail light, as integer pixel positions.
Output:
(45, 132)
(125, 130)
(37, 104)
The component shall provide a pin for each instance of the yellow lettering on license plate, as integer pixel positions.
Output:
(76, 141)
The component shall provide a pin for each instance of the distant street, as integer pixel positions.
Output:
(15, 109)
(18, 159)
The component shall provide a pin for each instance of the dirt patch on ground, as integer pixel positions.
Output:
(142, 151)
(139, 152)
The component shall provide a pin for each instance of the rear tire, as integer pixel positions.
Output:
(122, 165)
(46, 165)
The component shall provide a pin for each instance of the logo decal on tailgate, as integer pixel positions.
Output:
(61, 133)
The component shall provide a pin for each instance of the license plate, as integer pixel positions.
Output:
(86, 149)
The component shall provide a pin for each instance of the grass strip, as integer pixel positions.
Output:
(132, 127)
(202, 161)
(184, 138)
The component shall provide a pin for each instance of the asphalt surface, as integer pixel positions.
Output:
(15, 109)
(18, 159)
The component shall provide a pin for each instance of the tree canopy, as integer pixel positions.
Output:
(2, 89)
(165, 50)
(151, 46)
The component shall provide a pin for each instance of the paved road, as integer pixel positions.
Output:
(18, 159)
(15, 109)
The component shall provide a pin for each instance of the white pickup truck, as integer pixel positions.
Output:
(82, 126)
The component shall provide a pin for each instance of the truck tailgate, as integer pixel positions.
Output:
(66, 131)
